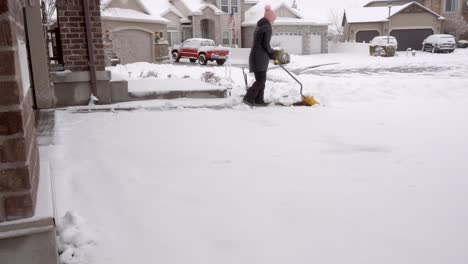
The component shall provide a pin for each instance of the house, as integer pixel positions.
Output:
(130, 30)
(410, 22)
(292, 31)
(456, 12)
(130, 27)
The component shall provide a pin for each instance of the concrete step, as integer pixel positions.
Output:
(153, 88)
(163, 89)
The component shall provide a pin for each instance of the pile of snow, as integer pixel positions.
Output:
(76, 242)
(331, 84)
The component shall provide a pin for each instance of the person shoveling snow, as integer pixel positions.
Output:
(260, 55)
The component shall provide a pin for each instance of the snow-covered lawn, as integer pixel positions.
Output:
(377, 174)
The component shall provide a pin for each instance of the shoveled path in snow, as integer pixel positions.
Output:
(356, 184)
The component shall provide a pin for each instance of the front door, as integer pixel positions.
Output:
(207, 29)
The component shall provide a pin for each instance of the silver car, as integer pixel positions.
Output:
(439, 43)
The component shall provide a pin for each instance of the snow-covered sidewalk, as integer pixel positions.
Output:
(377, 174)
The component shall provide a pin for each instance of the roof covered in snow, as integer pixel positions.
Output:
(379, 13)
(257, 11)
(194, 4)
(131, 15)
(162, 7)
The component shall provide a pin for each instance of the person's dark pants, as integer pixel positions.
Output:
(255, 93)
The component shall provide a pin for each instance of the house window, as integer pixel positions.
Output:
(225, 5)
(234, 6)
(225, 38)
(173, 37)
(229, 6)
(451, 5)
(228, 34)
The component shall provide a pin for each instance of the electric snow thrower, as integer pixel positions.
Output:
(282, 58)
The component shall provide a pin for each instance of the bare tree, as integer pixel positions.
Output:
(456, 25)
(336, 31)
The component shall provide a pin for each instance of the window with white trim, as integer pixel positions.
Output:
(234, 6)
(173, 37)
(225, 5)
(451, 5)
(225, 38)
(225, 35)
(229, 6)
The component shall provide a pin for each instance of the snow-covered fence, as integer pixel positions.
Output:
(348, 47)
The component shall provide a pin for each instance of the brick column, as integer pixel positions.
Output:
(18, 147)
(71, 21)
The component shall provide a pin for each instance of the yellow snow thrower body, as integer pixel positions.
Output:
(282, 58)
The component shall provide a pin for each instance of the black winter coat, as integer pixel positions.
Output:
(261, 51)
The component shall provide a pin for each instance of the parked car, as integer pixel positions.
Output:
(439, 43)
(384, 46)
(462, 44)
(203, 50)
(384, 41)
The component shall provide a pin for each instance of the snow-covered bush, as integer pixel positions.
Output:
(210, 77)
(75, 240)
(382, 51)
(383, 46)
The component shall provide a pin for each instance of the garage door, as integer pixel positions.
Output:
(366, 35)
(315, 43)
(290, 42)
(411, 38)
(132, 45)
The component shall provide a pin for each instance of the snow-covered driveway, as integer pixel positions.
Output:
(378, 175)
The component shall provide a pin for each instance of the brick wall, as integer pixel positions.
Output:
(18, 147)
(71, 21)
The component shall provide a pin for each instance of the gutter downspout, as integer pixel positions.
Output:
(89, 36)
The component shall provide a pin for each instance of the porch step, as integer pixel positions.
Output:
(149, 89)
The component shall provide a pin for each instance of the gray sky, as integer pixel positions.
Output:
(320, 9)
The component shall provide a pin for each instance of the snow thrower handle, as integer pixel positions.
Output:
(281, 65)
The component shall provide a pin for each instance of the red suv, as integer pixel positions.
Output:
(203, 50)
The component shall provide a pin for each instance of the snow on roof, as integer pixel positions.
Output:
(379, 13)
(162, 7)
(104, 3)
(203, 6)
(194, 5)
(257, 11)
(131, 15)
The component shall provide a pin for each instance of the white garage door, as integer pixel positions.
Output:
(290, 42)
(131, 45)
(315, 43)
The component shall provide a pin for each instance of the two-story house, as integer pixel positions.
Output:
(456, 12)
(133, 27)
(409, 21)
